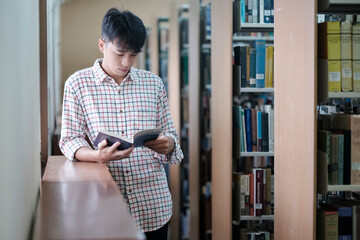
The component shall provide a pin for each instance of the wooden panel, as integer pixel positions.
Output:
(194, 110)
(43, 82)
(295, 119)
(221, 117)
(83, 210)
(59, 169)
(174, 100)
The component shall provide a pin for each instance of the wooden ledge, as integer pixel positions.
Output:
(80, 200)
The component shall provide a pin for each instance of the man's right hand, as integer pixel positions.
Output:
(110, 153)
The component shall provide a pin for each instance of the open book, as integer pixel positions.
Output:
(138, 139)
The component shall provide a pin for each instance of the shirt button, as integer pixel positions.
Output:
(127, 171)
(130, 191)
(121, 111)
(119, 92)
(122, 132)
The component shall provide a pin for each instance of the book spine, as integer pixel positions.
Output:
(253, 130)
(250, 11)
(270, 60)
(247, 113)
(272, 11)
(242, 193)
(252, 67)
(243, 138)
(347, 157)
(243, 65)
(247, 66)
(267, 11)
(236, 79)
(243, 10)
(334, 159)
(258, 192)
(355, 149)
(251, 179)
(236, 131)
(260, 63)
(345, 222)
(267, 187)
(247, 194)
(356, 56)
(259, 132)
(261, 11)
(255, 11)
(265, 131)
(346, 65)
(341, 158)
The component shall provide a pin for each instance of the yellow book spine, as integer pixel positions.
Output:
(346, 66)
(356, 56)
(334, 69)
(333, 41)
(271, 66)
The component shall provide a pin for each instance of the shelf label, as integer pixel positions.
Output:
(334, 76)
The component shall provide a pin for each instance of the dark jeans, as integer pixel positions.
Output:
(159, 234)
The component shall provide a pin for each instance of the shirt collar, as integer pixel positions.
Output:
(101, 75)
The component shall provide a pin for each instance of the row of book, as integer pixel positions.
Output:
(339, 148)
(253, 193)
(339, 55)
(339, 218)
(253, 66)
(253, 129)
(254, 11)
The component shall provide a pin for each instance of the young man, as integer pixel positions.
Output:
(114, 96)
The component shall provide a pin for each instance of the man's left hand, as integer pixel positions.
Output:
(163, 144)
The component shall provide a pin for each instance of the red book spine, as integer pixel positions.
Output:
(258, 188)
(251, 176)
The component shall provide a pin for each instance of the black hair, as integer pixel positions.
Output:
(124, 27)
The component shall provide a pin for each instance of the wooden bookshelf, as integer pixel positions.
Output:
(343, 94)
(257, 27)
(257, 90)
(252, 38)
(257, 154)
(352, 188)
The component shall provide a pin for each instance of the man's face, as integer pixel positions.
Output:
(117, 62)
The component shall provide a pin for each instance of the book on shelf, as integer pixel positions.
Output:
(345, 53)
(267, 11)
(260, 63)
(356, 56)
(344, 219)
(269, 66)
(248, 129)
(253, 130)
(252, 67)
(324, 145)
(259, 131)
(138, 139)
(329, 54)
(258, 191)
(327, 224)
(265, 131)
(237, 132)
(267, 191)
(351, 122)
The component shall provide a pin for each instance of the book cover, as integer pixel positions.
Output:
(344, 219)
(248, 131)
(138, 139)
(356, 56)
(345, 52)
(351, 122)
(260, 63)
(252, 67)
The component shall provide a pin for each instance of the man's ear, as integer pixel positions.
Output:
(101, 44)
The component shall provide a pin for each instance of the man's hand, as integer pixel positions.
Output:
(111, 153)
(163, 144)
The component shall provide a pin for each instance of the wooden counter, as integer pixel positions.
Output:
(80, 200)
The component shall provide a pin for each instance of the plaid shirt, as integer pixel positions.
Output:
(94, 101)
